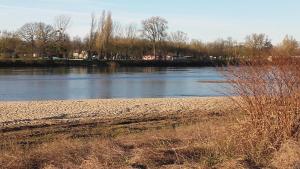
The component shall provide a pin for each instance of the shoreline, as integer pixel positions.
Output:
(117, 63)
(124, 98)
(32, 113)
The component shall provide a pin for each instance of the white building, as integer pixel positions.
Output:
(81, 55)
(149, 57)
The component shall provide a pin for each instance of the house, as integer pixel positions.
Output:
(149, 57)
(80, 55)
(83, 55)
(75, 55)
(212, 57)
(169, 58)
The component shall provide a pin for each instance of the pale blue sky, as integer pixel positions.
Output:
(206, 20)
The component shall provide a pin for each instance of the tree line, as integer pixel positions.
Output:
(110, 40)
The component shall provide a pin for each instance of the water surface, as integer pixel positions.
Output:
(94, 83)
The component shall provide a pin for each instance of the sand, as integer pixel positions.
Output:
(27, 112)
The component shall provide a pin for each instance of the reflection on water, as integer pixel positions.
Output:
(94, 82)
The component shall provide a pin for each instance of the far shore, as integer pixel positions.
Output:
(103, 63)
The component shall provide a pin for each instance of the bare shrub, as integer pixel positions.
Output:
(269, 93)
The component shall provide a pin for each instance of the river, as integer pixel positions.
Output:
(20, 84)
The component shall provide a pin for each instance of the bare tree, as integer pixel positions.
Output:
(179, 39)
(77, 45)
(100, 34)
(104, 34)
(61, 25)
(118, 31)
(108, 32)
(28, 33)
(130, 36)
(131, 31)
(118, 36)
(92, 34)
(230, 47)
(10, 44)
(44, 35)
(154, 29)
(289, 46)
(258, 44)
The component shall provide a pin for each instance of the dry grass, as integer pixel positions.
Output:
(288, 156)
(270, 96)
(201, 145)
(65, 154)
(98, 153)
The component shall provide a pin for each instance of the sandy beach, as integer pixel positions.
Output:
(37, 112)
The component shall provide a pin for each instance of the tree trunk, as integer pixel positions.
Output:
(154, 50)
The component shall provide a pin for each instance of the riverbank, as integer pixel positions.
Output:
(165, 133)
(121, 63)
(30, 113)
(116, 133)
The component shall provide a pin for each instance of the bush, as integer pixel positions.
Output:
(270, 95)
